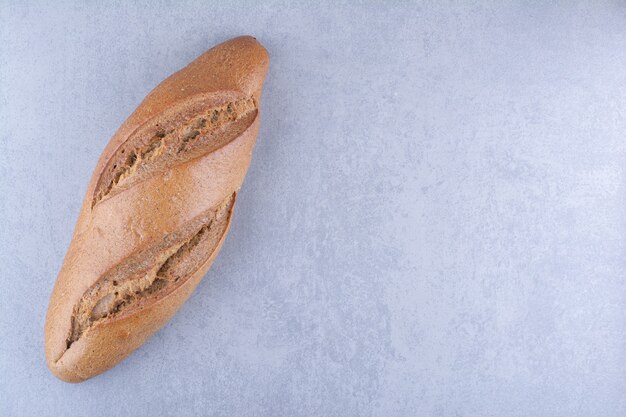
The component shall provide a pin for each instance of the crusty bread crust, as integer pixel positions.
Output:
(163, 200)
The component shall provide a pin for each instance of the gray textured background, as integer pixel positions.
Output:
(433, 223)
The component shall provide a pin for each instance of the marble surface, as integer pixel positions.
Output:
(432, 225)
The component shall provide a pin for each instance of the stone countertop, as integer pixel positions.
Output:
(432, 224)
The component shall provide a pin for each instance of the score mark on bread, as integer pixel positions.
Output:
(145, 277)
(169, 141)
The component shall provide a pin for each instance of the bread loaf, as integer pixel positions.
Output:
(156, 211)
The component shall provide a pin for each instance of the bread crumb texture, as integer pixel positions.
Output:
(160, 146)
(152, 273)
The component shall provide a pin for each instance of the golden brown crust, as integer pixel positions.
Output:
(158, 202)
